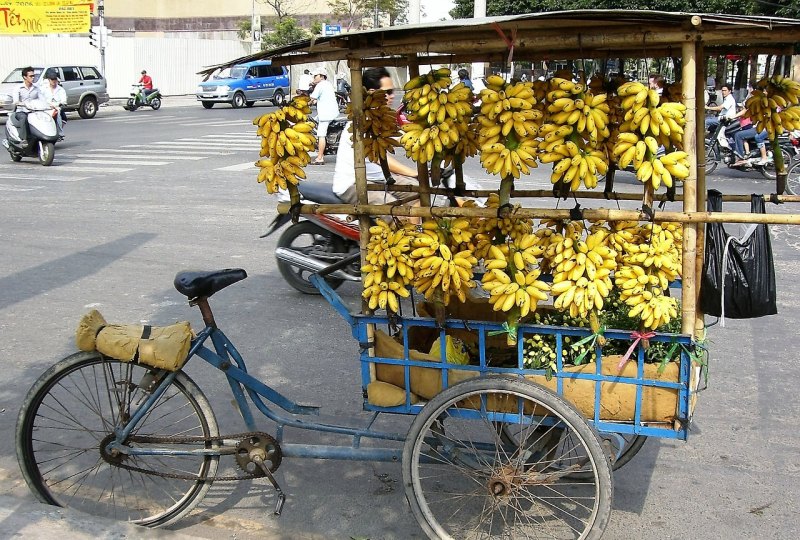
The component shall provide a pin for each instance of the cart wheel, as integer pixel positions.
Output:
(620, 447)
(462, 481)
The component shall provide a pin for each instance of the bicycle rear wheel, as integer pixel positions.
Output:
(70, 414)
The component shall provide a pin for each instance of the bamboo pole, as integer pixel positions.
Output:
(690, 142)
(597, 214)
(360, 170)
(700, 160)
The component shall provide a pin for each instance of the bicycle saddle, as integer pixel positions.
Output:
(197, 284)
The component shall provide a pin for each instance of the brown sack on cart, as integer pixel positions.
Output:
(162, 347)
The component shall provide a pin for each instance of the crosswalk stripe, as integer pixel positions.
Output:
(68, 166)
(206, 141)
(188, 149)
(118, 162)
(6, 187)
(207, 146)
(50, 178)
(238, 136)
(135, 119)
(237, 167)
(113, 154)
(216, 124)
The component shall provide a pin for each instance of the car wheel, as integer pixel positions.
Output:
(238, 100)
(207, 104)
(278, 99)
(250, 103)
(87, 108)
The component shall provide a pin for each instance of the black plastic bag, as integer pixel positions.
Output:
(749, 272)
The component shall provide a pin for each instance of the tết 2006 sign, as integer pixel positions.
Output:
(28, 17)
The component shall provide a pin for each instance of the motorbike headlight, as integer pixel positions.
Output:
(223, 88)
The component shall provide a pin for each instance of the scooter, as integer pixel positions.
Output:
(138, 98)
(320, 240)
(41, 134)
(335, 129)
(720, 150)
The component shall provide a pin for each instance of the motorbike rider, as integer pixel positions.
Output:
(463, 76)
(56, 97)
(726, 110)
(304, 83)
(24, 92)
(324, 95)
(147, 84)
(344, 173)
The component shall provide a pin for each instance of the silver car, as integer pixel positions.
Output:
(84, 85)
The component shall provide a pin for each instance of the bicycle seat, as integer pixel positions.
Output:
(197, 284)
(318, 192)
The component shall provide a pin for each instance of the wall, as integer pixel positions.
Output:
(172, 62)
(168, 9)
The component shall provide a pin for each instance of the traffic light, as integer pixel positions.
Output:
(94, 36)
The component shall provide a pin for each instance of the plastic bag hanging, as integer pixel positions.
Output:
(738, 279)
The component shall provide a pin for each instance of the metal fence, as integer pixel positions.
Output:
(172, 62)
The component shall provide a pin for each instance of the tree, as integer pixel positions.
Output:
(244, 29)
(349, 12)
(284, 33)
(353, 12)
(282, 8)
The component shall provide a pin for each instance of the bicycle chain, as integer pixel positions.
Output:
(190, 439)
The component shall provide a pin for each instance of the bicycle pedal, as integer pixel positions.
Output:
(281, 497)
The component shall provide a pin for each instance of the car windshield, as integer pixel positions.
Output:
(224, 73)
(16, 75)
(238, 72)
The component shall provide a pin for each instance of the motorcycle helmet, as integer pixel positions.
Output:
(51, 74)
(463, 74)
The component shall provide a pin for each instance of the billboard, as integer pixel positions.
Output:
(30, 17)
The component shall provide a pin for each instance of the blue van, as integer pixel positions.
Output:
(244, 84)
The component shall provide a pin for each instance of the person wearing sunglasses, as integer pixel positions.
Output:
(24, 92)
(344, 178)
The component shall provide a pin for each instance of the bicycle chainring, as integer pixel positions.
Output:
(261, 445)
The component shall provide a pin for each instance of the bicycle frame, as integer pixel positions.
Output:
(227, 359)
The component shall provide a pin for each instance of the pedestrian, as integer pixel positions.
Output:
(304, 83)
(324, 95)
(55, 96)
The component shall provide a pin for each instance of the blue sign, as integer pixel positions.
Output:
(331, 29)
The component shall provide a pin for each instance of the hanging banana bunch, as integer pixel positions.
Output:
(439, 117)
(378, 129)
(286, 138)
(770, 95)
(389, 269)
(648, 125)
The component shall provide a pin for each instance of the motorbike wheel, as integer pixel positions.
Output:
(156, 103)
(46, 153)
(712, 160)
(793, 180)
(769, 172)
(314, 241)
(15, 156)
(130, 105)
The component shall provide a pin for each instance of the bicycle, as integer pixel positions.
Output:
(127, 441)
(793, 178)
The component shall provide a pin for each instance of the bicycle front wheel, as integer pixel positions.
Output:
(464, 481)
(68, 418)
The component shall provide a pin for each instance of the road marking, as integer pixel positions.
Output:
(220, 143)
(216, 124)
(39, 178)
(208, 146)
(118, 162)
(238, 167)
(5, 187)
(68, 166)
(135, 119)
(239, 137)
(188, 150)
(113, 154)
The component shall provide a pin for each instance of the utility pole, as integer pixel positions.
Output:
(479, 68)
(102, 37)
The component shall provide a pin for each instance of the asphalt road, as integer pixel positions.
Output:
(132, 198)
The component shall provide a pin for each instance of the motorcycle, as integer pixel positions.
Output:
(139, 99)
(320, 240)
(336, 127)
(37, 138)
(720, 150)
(342, 94)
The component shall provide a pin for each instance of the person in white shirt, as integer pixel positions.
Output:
(726, 110)
(324, 95)
(304, 82)
(56, 97)
(344, 178)
(19, 95)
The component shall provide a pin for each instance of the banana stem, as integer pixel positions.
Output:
(513, 322)
(610, 173)
(439, 311)
(780, 166)
(594, 324)
(506, 186)
(458, 164)
(294, 198)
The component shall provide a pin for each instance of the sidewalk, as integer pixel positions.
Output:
(22, 518)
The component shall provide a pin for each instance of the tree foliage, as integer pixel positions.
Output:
(352, 12)
(283, 33)
(780, 8)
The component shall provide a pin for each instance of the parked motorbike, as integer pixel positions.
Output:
(320, 240)
(342, 94)
(41, 134)
(717, 153)
(138, 98)
(335, 129)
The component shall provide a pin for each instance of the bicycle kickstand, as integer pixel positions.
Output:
(281, 497)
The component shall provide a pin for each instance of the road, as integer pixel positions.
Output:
(132, 198)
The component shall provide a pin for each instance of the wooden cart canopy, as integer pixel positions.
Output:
(591, 33)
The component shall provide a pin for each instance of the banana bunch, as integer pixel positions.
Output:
(574, 162)
(436, 267)
(771, 94)
(509, 125)
(510, 279)
(389, 269)
(645, 296)
(286, 138)
(553, 237)
(439, 117)
(573, 104)
(488, 229)
(582, 281)
(379, 126)
(649, 168)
